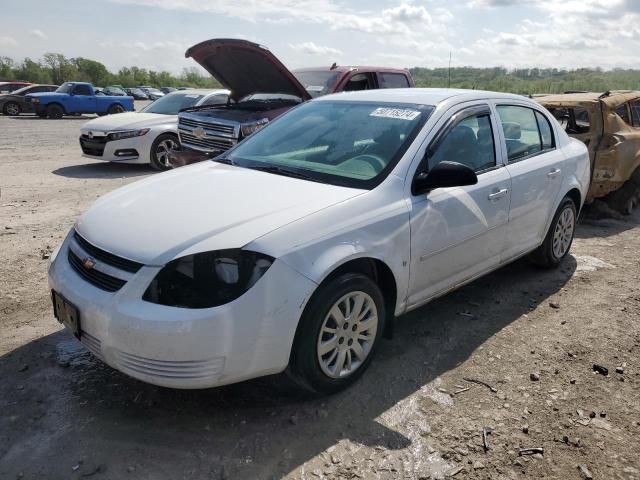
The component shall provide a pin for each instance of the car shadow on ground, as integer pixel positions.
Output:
(67, 406)
(103, 170)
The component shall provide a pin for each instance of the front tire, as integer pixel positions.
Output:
(11, 109)
(559, 238)
(338, 334)
(55, 111)
(160, 149)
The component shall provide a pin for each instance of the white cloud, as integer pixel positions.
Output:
(7, 41)
(37, 33)
(311, 48)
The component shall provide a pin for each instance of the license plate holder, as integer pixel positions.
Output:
(66, 313)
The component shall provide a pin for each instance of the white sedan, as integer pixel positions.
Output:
(146, 136)
(296, 249)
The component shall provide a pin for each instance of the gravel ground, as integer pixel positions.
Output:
(532, 336)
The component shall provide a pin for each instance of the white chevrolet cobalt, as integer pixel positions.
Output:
(296, 249)
(146, 136)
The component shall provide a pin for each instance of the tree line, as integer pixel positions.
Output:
(55, 68)
(528, 80)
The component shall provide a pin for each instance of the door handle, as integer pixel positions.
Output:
(499, 194)
(554, 173)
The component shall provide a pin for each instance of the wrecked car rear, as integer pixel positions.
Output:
(609, 125)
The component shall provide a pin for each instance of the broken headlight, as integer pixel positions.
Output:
(208, 279)
(249, 128)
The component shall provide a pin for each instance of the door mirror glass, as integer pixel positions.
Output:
(444, 174)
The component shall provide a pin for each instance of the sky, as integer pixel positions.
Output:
(154, 34)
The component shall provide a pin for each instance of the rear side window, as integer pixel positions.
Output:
(623, 112)
(524, 131)
(359, 81)
(393, 80)
(574, 120)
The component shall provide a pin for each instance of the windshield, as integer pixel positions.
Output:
(317, 83)
(153, 90)
(172, 103)
(354, 144)
(65, 88)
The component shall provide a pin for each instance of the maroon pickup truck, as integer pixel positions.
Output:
(262, 88)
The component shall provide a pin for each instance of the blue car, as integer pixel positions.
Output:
(77, 98)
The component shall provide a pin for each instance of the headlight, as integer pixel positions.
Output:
(34, 100)
(208, 279)
(127, 134)
(249, 128)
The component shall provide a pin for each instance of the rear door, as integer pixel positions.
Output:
(458, 233)
(535, 166)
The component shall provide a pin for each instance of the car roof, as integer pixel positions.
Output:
(424, 96)
(614, 96)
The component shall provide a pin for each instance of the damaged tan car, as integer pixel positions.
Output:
(609, 125)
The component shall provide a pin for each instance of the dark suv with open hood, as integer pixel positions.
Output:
(262, 88)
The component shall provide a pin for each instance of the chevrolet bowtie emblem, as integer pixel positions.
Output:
(88, 263)
(199, 132)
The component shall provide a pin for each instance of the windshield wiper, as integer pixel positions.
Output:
(283, 171)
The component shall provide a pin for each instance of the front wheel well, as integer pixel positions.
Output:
(58, 104)
(380, 273)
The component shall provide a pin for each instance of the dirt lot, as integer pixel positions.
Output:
(532, 335)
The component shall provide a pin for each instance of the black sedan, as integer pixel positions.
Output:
(137, 94)
(14, 103)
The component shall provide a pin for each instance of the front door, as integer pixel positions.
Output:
(83, 100)
(458, 233)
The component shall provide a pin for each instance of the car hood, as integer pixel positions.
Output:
(245, 67)
(4, 97)
(47, 94)
(202, 207)
(127, 121)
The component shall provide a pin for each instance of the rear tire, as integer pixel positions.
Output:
(11, 109)
(559, 238)
(339, 332)
(160, 149)
(115, 108)
(55, 111)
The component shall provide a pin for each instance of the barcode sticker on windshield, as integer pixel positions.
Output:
(399, 113)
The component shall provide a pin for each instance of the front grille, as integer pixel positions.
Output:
(95, 277)
(206, 143)
(93, 146)
(106, 257)
(214, 127)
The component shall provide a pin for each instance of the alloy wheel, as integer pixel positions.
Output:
(347, 334)
(12, 109)
(563, 233)
(163, 149)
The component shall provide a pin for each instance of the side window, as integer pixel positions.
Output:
(469, 142)
(546, 133)
(359, 81)
(216, 100)
(635, 113)
(82, 90)
(623, 112)
(521, 131)
(393, 80)
(574, 120)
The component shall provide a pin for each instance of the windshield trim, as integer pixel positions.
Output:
(329, 178)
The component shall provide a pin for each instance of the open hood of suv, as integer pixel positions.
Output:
(245, 68)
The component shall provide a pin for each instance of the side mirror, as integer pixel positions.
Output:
(444, 174)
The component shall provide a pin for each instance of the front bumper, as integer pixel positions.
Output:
(128, 150)
(186, 348)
